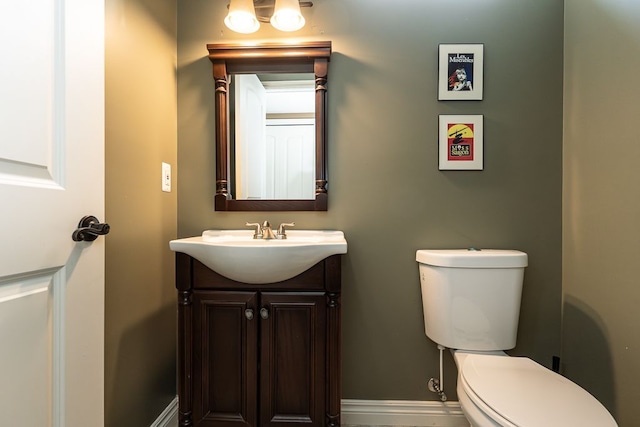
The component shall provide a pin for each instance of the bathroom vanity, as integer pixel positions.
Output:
(265, 354)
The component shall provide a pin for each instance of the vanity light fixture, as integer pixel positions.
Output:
(245, 15)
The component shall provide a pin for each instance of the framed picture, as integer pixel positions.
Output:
(460, 75)
(460, 142)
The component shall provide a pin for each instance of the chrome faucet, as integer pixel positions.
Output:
(264, 231)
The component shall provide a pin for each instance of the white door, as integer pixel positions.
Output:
(51, 175)
(251, 99)
(291, 164)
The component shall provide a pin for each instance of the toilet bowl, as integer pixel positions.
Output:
(497, 390)
(471, 304)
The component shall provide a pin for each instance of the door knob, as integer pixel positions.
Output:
(89, 228)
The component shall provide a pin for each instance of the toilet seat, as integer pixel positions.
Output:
(518, 392)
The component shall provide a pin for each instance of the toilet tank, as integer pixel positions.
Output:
(471, 298)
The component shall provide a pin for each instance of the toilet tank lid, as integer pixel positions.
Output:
(472, 258)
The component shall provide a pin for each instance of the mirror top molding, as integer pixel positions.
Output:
(235, 51)
(234, 58)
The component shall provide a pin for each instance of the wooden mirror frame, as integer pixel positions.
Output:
(304, 57)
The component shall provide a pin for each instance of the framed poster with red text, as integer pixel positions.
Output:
(460, 142)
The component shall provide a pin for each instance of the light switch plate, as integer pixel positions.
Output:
(166, 177)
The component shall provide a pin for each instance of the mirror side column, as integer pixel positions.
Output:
(321, 71)
(220, 78)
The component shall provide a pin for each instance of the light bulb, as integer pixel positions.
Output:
(287, 16)
(242, 17)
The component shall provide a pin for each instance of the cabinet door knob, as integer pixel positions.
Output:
(248, 313)
(264, 313)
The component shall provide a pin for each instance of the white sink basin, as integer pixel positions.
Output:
(236, 255)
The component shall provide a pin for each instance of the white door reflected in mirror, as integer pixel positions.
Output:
(274, 137)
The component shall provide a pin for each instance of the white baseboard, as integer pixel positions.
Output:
(372, 413)
(402, 413)
(168, 417)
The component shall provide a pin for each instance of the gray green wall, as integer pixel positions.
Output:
(386, 192)
(601, 296)
(141, 111)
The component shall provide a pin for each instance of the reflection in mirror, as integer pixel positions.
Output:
(273, 136)
(271, 156)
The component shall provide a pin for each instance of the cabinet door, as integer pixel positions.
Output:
(293, 330)
(225, 358)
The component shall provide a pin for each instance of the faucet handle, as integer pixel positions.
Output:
(258, 232)
(282, 232)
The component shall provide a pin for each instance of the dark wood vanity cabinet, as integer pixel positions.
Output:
(258, 355)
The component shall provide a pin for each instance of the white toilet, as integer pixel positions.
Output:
(471, 304)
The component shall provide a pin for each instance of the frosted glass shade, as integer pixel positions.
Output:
(242, 17)
(287, 16)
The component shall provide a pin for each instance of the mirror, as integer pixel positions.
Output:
(272, 134)
(260, 164)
